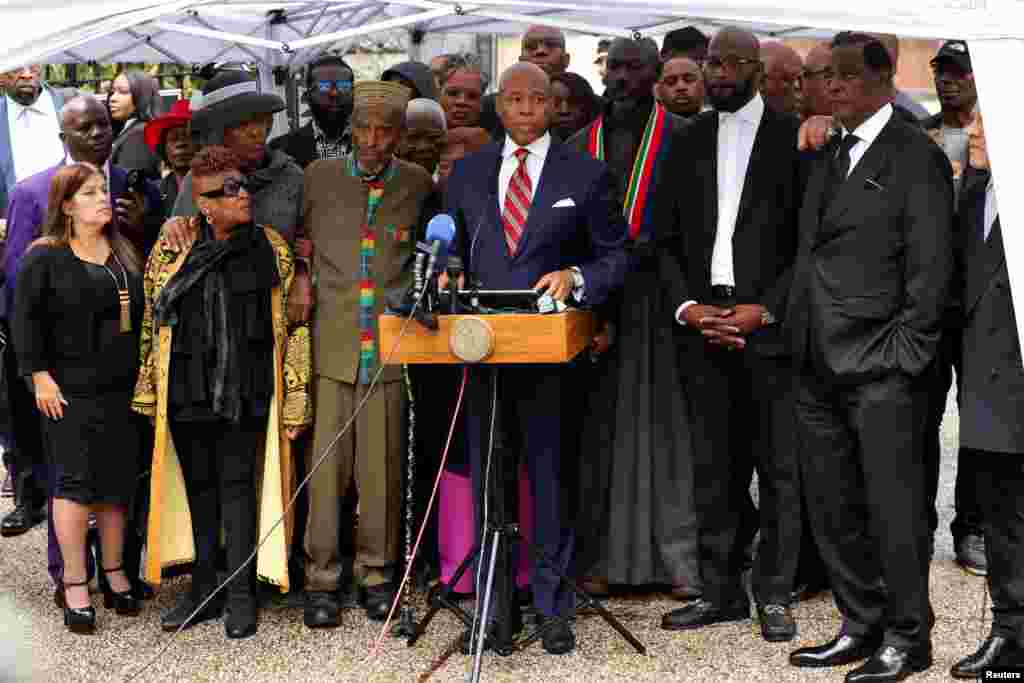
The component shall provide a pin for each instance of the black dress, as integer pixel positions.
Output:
(67, 321)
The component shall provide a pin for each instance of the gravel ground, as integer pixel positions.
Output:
(35, 646)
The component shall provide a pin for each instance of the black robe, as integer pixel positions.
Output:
(636, 518)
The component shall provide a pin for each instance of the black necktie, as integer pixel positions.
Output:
(839, 169)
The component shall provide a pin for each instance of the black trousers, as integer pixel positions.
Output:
(218, 461)
(743, 418)
(1000, 491)
(863, 477)
(939, 378)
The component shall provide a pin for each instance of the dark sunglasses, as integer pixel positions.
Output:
(231, 188)
(340, 86)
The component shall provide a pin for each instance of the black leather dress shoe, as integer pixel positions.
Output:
(23, 517)
(322, 610)
(890, 663)
(843, 649)
(176, 616)
(377, 601)
(970, 555)
(242, 620)
(559, 639)
(777, 623)
(702, 613)
(996, 651)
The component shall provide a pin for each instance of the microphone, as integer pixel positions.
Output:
(440, 233)
(454, 271)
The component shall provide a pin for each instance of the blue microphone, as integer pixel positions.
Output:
(440, 233)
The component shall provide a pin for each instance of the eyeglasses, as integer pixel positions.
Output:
(340, 86)
(730, 63)
(534, 44)
(231, 188)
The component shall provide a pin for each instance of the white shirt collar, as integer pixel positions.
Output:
(751, 112)
(538, 148)
(872, 127)
(42, 105)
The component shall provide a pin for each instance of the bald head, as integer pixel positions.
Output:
(426, 110)
(78, 105)
(524, 102)
(774, 53)
(737, 41)
(85, 130)
(780, 84)
(732, 71)
(526, 72)
(633, 68)
(545, 47)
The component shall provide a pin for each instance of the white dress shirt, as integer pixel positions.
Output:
(991, 207)
(35, 136)
(538, 153)
(867, 132)
(736, 133)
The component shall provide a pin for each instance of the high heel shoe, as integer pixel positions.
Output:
(124, 603)
(81, 620)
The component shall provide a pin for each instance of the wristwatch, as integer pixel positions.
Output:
(767, 318)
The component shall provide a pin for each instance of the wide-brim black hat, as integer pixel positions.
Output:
(231, 98)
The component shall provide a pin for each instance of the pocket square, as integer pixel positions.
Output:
(562, 203)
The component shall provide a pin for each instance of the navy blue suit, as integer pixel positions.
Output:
(588, 232)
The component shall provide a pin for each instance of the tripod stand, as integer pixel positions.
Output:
(494, 552)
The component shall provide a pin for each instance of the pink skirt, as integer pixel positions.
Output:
(457, 528)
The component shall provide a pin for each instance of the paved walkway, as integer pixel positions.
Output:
(36, 647)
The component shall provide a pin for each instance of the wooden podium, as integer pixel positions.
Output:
(504, 338)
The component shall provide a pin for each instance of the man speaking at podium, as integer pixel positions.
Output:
(532, 213)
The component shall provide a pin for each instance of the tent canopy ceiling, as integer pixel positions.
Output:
(292, 32)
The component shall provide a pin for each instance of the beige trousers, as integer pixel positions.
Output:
(371, 454)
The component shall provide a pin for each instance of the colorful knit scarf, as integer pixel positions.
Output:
(367, 288)
(649, 155)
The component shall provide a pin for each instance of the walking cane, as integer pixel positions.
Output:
(406, 625)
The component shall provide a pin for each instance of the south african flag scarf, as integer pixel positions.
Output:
(652, 150)
(367, 287)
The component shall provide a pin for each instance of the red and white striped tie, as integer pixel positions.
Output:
(517, 203)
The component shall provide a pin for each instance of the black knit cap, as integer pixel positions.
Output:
(231, 98)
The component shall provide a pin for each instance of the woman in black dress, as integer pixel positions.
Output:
(134, 100)
(77, 315)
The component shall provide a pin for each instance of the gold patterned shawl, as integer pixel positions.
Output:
(169, 537)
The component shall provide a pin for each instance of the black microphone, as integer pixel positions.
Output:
(455, 271)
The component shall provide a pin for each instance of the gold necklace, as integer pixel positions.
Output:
(123, 295)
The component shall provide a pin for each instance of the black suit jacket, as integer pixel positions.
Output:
(874, 267)
(299, 144)
(991, 378)
(765, 237)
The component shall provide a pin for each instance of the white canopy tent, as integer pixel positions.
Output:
(292, 32)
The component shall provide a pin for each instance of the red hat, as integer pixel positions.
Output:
(179, 115)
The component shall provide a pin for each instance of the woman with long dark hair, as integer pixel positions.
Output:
(227, 384)
(133, 101)
(77, 315)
